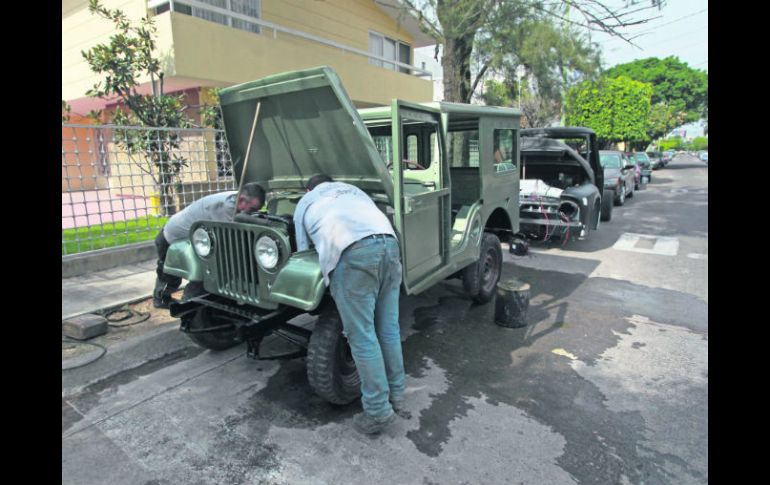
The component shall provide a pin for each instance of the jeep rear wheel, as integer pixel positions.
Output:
(480, 278)
(331, 369)
(203, 318)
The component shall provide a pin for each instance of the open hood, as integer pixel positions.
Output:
(556, 150)
(306, 125)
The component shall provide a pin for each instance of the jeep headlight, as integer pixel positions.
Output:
(201, 242)
(266, 250)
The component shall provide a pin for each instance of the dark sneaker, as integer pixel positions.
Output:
(369, 425)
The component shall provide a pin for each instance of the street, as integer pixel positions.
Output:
(608, 383)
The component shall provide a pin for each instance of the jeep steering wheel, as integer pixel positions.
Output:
(408, 163)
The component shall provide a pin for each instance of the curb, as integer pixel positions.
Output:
(101, 259)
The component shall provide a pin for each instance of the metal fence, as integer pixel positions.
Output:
(119, 185)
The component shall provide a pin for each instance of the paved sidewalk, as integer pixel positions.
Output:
(105, 289)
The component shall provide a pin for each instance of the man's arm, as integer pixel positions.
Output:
(303, 241)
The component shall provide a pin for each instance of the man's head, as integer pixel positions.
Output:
(317, 180)
(251, 198)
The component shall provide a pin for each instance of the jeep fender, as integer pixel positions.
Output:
(182, 261)
(300, 282)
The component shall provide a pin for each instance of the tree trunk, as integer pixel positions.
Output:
(456, 62)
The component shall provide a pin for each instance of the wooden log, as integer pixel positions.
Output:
(511, 304)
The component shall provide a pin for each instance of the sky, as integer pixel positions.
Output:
(679, 29)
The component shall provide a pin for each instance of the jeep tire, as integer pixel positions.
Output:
(331, 369)
(480, 278)
(202, 318)
(608, 201)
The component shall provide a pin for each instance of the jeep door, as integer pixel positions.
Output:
(422, 202)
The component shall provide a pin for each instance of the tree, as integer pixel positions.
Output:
(699, 143)
(676, 84)
(673, 143)
(552, 57)
(455, 24)
(124, 60)
(615, 108)
(662, 120)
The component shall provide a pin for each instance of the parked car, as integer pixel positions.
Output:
(450, 210)
(559, 194)
(666, 157)
(645, 167)
(637, 169)
(645, 161)
(618, 174)
(704, 157)
(655, 159)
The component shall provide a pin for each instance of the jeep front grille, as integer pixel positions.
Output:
(237, 274)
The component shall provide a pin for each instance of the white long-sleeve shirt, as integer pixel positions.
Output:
(333, 216)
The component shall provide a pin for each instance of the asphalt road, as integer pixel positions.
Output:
(609, 383)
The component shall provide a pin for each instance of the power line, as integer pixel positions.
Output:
(615, 39)
(677, 37)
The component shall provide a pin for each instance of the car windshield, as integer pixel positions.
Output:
(609, 160)
(642, 157)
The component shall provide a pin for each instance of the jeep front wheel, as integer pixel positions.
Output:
(204, 318)
(331, 369)
(480, 278)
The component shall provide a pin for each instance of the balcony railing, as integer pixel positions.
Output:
(234, 17)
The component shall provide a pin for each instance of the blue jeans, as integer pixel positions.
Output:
(365, 285)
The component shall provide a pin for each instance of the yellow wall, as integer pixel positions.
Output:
(80, 30)
(225, 56)
(218, 55)
(345, 21)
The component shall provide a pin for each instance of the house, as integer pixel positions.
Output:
(216, 43)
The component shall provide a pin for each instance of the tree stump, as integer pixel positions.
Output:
(511, 304)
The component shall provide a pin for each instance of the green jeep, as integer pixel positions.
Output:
(445, 174)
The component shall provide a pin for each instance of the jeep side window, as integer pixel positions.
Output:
(504, 153)
(463, 149)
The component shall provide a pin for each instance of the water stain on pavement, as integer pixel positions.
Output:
(516, 367)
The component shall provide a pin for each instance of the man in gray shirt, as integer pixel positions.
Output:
(214, 207)
(361, 264)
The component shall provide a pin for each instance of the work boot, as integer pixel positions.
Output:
(369, 425)
(398, 408)
(163, 301)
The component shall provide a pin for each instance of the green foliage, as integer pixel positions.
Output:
(673, 143)
(553, 56)
(663, 118)
(123, 61)
(699, 143)
(615, 108)
(496, 94)
(676, 84)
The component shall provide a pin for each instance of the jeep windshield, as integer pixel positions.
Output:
(609, 160)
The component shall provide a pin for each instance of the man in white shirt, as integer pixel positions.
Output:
(361, 264)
